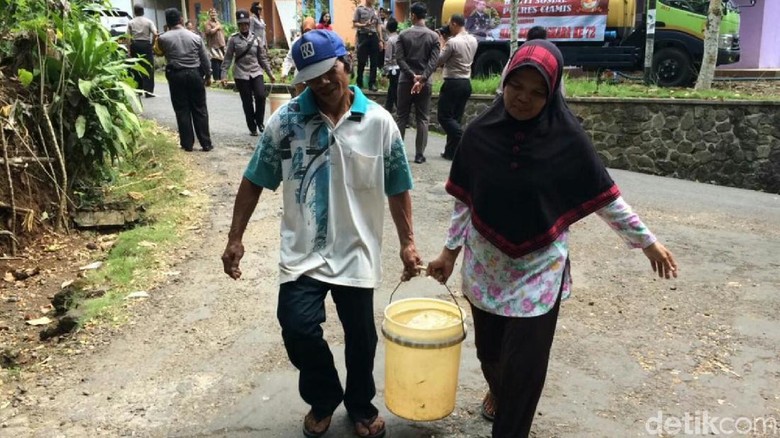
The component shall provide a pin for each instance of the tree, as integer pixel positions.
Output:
(711, 36)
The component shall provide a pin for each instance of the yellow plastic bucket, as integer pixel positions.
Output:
(423, 339)
(277, 100)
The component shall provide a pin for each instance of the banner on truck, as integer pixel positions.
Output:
(565, 20)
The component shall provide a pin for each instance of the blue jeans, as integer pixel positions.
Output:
(301, 311)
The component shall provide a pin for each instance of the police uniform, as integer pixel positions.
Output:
(250, 57)
(142, 33)
(188, 66)
(478, 23)
(367, 44)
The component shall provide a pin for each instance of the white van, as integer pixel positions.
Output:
(113, 19)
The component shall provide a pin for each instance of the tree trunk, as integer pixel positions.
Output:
(513, 27)
(711, 36)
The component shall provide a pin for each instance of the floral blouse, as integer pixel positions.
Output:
(528, 286)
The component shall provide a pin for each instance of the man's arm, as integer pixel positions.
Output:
(400, 57)
(246, 200)
(430, 67)
(401, 211)
(445, 54)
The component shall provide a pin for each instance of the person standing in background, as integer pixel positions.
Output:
(288, 64)
(417, 53)
(215, 42)
(257, 25)
(325, 21)
(369, 42)
(383, 17)
(188, 65)
(251, 58)
(142, 35)
(390, 67)
(456, 57)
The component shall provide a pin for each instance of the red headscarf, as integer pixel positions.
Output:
(528, 181)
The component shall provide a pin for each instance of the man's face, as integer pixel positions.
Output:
(332, 85)
(480, 6)
(213, 14)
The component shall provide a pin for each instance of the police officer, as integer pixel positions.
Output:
(251, 57)
(188, 73)
(142, 34)
(479, 22)
(369, 42)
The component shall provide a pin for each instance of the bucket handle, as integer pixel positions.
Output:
(452, 295)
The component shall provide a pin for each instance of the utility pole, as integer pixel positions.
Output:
(649, 39)
(184, 11)
(233, 12)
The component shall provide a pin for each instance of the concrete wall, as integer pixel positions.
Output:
(734, 144)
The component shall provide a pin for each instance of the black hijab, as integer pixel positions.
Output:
(527, 181)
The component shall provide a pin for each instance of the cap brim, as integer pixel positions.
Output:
(243, 21)
(314, 70)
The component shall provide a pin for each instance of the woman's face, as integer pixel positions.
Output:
(525, 93)
(213, 14)
(326, 18)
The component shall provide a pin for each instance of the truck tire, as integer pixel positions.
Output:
(672, 67)
(491, 62)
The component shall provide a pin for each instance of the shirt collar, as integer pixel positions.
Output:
(308, 103)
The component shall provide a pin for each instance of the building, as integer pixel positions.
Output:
(759, 35)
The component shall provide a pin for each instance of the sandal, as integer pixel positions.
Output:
(310, 424)
(489, 407)
(366, 425)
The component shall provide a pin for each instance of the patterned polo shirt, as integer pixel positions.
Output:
(334, 182)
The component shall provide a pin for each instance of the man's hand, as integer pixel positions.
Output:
(662, 260)
(231, 259)
(411, 261)
(208, 81)
(417, 87)
(381, 45)
(272, 78)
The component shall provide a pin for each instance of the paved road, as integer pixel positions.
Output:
(204, 357)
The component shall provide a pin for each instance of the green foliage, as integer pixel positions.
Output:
(25, 77)
(88, 90)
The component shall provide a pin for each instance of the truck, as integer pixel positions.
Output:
(602, 34)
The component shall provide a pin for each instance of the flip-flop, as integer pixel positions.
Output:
(309, 434)
(367, 422)
(485, 411)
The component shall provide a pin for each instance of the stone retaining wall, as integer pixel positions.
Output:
(734, 143)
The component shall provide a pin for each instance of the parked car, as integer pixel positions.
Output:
(113, 19)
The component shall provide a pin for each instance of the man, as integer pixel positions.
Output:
(456, 57)
(142, 34)
(369, 42)
(479, 22)
(417, 53)
(390, 66)
(188, 65)
(338, 154)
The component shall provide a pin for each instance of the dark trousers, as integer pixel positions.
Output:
(367, 50)
(252, 93)
(143, 50)
(514, 353)
(392, 92)
(216, 69)
(452, 104)
(301, 311)
(188, 96)
(422, 105)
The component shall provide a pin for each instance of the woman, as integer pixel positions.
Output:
(257, 25)
(324, 21)
(251, 58)
(215, 42)
(524, 172)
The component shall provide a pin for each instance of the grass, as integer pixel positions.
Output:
(153, 176)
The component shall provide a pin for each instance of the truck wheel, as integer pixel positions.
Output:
(672, 67)
(490, 63)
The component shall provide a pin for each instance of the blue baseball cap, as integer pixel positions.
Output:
(315, 52)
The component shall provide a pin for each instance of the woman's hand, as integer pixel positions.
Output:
(441, 268)
(662, 260)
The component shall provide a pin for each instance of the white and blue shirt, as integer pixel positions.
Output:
(335, 179)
